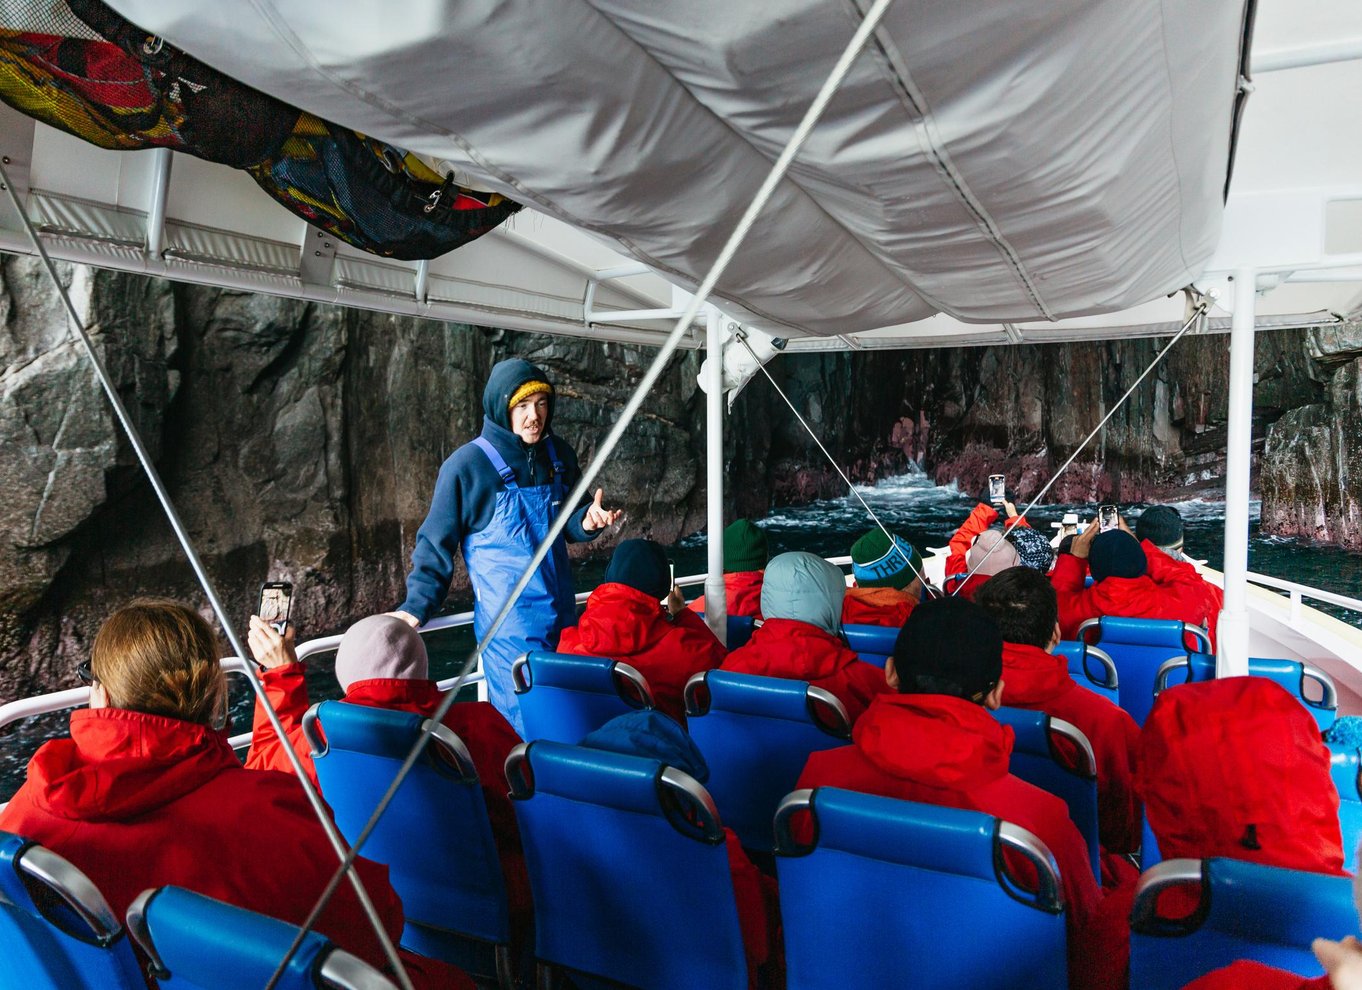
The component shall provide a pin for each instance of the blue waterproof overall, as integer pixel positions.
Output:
(496, 557)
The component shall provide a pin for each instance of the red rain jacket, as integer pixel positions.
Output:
(625, 624)
(951, 752)
(1171, 589)
(803, 652)
(980, 519)
(877, 607)
(138, 801)
(744, 594)
(1039, 681)
(1247, 975)
(483, 729)
(1235, 768)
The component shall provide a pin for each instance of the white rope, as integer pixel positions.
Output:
(654, 372)
(181, 534)
(1012, 524)
(742, 338)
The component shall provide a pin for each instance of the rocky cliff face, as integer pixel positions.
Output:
(300, 442)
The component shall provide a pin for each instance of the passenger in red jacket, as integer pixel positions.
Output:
(744, 561)
(624, 621)
(147, 792)
(980, 551)
(801, 637)
(934, 741)
(1132, 580)
(1023, 604)
(1162, 526)
(888, 581)
(382, 663)
(1234, 768)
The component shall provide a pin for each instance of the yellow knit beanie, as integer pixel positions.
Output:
(527, 390)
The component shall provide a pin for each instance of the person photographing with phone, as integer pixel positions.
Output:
(495, 499)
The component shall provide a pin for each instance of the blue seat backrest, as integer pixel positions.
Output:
(625, 887)
(1036, 759)
(740, 629)
(900, 894)
(44, 943)
(874, 644)
(1290, 674)
(1249, 911)
(570, 696)
(756, 734)
(1345, 766)
(435, 837)
(1086, 670)
(1139, 647)
(204, 943)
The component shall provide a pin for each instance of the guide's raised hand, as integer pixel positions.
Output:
(598, 516)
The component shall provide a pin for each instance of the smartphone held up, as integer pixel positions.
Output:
(997, 488)
(1108, 518)
(276, 597)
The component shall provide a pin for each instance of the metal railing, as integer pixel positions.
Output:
(1298, 592)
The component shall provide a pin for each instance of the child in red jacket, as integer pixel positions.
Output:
(1023, 603)
(625, 621)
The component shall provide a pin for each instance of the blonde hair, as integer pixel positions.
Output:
(160, 657)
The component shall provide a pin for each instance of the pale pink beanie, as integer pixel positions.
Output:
(380, 646)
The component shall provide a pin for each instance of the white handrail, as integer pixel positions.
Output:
(1300, 591)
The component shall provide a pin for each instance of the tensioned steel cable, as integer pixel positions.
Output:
(1201, 307)
(926, 587)
(181, 534)
(650, 377)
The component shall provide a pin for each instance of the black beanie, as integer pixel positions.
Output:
(1116, 553)
(1161, 525)
(949, 646)
(641, 564)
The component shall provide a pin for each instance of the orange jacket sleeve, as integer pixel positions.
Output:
(286, 689)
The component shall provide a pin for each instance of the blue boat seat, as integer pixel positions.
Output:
(756, 733)
(899, 894)
(1345, 768)
(564, 697)
(1247, 911)
(874, 644)
(1314, 688)
(629, 868)
(1092, 668)
(435, 838)
(1139, 647)
(193, 942)
(1036, 759)
(56, 930)
(740, 628)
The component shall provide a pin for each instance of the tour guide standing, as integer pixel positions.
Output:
(496, 498)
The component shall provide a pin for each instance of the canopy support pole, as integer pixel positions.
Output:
(716, 598)
(156, 209)
(1233, 632)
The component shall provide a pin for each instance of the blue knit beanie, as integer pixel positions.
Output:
(875, 563)
(641, 564)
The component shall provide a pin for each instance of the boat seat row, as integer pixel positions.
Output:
(58, 932)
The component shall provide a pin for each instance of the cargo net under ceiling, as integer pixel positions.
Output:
(82, 68)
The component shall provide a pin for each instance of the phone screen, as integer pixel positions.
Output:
(1107, 518)
(997, 488)
(275, 599)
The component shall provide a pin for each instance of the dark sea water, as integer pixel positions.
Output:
(911, 505)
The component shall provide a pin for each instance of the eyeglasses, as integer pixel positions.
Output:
(85, 673)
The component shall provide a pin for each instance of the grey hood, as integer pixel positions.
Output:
(804, 587)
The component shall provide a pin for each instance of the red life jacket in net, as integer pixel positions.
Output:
(623, 623)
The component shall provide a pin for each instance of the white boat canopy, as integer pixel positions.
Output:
(990, 172)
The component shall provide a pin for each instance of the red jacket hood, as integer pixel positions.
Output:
(620, 621)
(934, 740)
(877, 607)
(119, 764)
(400, 694)
(790, 648)
(743, 594)
(1032, 677)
